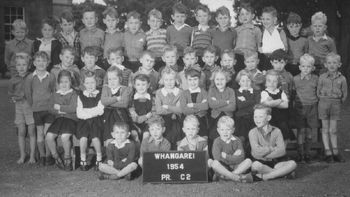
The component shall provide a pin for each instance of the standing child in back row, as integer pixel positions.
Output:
(332, 91)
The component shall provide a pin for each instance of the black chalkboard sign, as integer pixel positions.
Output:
(175, 167)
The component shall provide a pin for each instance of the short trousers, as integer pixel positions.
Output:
(329, 109)
(23, 113)
(43, 117)
(306, 115)
(228, 167)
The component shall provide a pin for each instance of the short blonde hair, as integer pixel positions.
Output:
(23, 56)
(243, 73)
(169, 48)
(250, 53)
(155, 13)
(222, 71)
(227, 121)
(307, 59)
(191, 119)
(260, 106)
(333, 55)
(19, 24)
(168, 71)
(319, 16)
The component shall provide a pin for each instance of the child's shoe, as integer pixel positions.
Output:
(68, 164)
(248, 178)
(255, 177)
(59, 163)
(97, 165)
(84, 166)
(307, 158)
(49, 161)
(103, 176)
(329, 159)
(291, 175)
(128, 177)
(338, 158)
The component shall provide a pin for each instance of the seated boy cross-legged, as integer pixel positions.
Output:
(228, 153)
(268, 148)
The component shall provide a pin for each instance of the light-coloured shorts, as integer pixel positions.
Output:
(23, 113)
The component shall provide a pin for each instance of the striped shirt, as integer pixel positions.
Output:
(201, 39)
(156, 40)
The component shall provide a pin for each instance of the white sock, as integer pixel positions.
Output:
(83, 156)
(98, 156)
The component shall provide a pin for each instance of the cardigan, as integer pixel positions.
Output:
(220, 103)
(56, 47)
(200, 106)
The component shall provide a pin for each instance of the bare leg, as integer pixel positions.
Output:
(281, 169)
(108, 169)
(220, 169)
(40, 140)
(32, 140)
(333, 136)
(260, 168)
(325, 136)
(21, 142)
(127, 169)
(47, 150)
(67, 145)
(51, 143)
(243, 167)
(97, 145)
(83, 145)
(140, 162)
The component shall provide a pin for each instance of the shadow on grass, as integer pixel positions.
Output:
(305, 170)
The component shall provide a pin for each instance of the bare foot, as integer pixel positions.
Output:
(20, 160)
(31, 161)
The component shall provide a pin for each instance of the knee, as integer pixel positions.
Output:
(256, 166)
(140, 161)
(65, 137)
(333, 131)
(133, 166)
(215, 164)
(248, 161)
(95, 140)
(50, 137)
(292, 164)
(325, 130)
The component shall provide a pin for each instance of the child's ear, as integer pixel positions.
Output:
(216, 58)
(269, 118)
(234, 61)
(173, 17)
(60, 57)
(122, 57)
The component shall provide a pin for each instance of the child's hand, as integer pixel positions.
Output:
(110, 162)
(241, 98)
(119, 98)
(124, 160)
(223, 155)
(149, 115)
(269, 98)
(13, 99)
(213, 98)
(165, 106)
(190, 105)
(237, 152)
(228, 102)
(57, 107)
(204, 101)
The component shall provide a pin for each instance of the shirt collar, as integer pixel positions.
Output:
(24, 40)
(180, 27)
(203, 27)
(42, 40)
(197, 90)
(232, 138)
(41, 77)
(61, 92)
(265, 129)
(222, 30)
(273, 91)
(333, 75)
(195, 67)
(142, 96)
(324, 37)
(120, 67)
(72, 34)
(307, 77)
(111, 32)
(151, 139)
(92, 29)
(247, 89)
(175, 91)
(91, 94)
(95, 68)
(141, 70)
(115, 90)
(121, 145)
(248, 26)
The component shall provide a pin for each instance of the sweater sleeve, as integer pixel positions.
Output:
(232, 102)
(158, 104)
(125, 98)
(72, 106)
(216, 151)
(236, 159)
(183, 103)
(279, 149)
(344, 88)
(106, 96)
(203, 106)
(130, 158)
(109, 152)
(214, 104)
(258, 151)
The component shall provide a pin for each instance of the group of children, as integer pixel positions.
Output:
(170, 90)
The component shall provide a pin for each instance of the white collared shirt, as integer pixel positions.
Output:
(232, 138)
(322, 37)
(142, 96)
(115, 90)
(203, 27)
(41, 77)
(91, 94)
(119, 146)
(175, 91)
(180, 27)
(61, 92)
(197, 90)
(120, 67)
(249, 89)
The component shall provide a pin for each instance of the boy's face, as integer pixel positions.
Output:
(294, 29)
(251, 62)
(156, 131)
(47, 31)
(90, 84)
(133, 24)
(147, 62)
(190, 129)
(225, 131)
(278, 65)
(193, 82)
(64, 83)
(120, 134)
(189, 59)
(245, 82)
(141, 86)
(305, 68)
(67, 58)
(271, 81)
(115, 59)
(227, 61)
(89, 19)
(110, 22)
(223, 20)
(179, 18)
(261, 118)
(21, 66)
(67, 27)
(332, 64)
(169, 81)
(40, 63)
(89, 60)
(202, 17)
(268, 20)
(170, 58)
(19, 33)
(245, 16)
(220, 81)
(209, 58)
(154, 23)
(113, 79)
(318, 28)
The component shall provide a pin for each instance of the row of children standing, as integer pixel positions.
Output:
(181, 91)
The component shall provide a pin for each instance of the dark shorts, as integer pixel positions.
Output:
(306, 115)
(228, 167)
(272, 162)
(43, 117)
(329, 109)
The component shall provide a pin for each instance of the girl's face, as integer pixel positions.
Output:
(245, 82)
(90, 84)
(169, 80)
(189, 59)
(271, 82)
(21, 66)
(193, 82)
(64, 84)
(89, 19)
(47, 31)
(141, 86)
(294, 29)
(190, 129)
(154, 23)
(156, 131)
(115, 59)
(110, 22)
(120, 134)
(268, 20)
(89, 61)
(227, 61)
(245, 16)
(113, 80)
(147, 62)
(261, 118)
(170, 58)
(251, 63)
(67, 27)
(223, 20)
(67, 58)
(202, 17)
(220, 81)
(40, 63)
